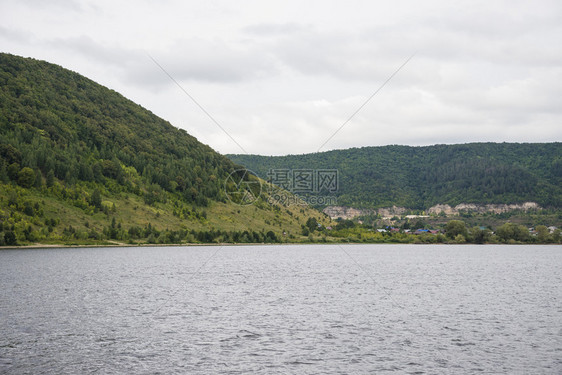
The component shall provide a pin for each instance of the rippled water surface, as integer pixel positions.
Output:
(282, 310)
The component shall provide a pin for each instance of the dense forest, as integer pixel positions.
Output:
(79, 161)
(62, 125)
(420, 177)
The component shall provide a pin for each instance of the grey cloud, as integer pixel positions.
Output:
(497, 35)
(15, 35)
(73, 5)
(216, 61)
(191, 60)
(275, 30)
(209, 61)
(342, 55)
(92, 50)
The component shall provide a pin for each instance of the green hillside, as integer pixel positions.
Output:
(81, 163)
(420, 177)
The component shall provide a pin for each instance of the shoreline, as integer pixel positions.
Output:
(229, 244)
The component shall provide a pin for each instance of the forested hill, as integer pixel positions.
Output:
(419, 177)
(71, 128)
(79, 163)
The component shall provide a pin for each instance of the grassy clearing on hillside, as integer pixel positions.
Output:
(43, 215)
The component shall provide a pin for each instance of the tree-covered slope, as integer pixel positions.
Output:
(80, 162)
(59, 122)
(419, 177)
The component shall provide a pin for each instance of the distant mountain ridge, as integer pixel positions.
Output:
(422, 177)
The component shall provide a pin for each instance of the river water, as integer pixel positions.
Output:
(296, 309)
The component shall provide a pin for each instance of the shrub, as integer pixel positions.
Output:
(26, 177)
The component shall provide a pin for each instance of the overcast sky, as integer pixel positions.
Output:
(282, 76)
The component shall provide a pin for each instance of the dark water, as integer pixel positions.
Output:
(282, 310)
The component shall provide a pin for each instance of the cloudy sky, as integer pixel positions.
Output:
(283, 76)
